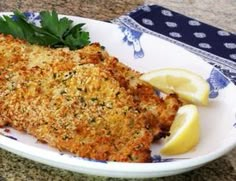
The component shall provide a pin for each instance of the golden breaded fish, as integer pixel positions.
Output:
(144, 94)
(84, 101)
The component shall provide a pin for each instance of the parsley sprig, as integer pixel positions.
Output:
(53, 32)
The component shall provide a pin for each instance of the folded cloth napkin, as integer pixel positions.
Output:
(216, 46)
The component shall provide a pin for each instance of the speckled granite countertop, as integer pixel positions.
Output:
(221, 13)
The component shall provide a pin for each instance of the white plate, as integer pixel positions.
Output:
(144, 52)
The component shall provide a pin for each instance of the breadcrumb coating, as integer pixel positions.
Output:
(84, 101)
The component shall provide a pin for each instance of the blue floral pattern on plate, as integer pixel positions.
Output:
(159, 159)
(234, 125)
(80, 158)
(32, 17)
(216, 81)
(132, 38)
(8, 136)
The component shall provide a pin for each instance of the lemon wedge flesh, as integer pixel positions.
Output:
(184, 132)
(187, 85)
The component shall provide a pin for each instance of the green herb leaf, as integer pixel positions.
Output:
(51, 23)
(53, 32)
(77, 40)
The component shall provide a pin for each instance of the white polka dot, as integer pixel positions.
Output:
(146, 8)
(204, 45)
(194, 23)
(166, 12)
(175, 34)
(171, 24)
(233, 56)
(223, 33)
(199, 35)
(147, 22)
(230, 45)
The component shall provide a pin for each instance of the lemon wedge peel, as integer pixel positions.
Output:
(187, 85)
(184, 132)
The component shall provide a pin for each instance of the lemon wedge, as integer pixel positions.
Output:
(187, 85)
(184, 132)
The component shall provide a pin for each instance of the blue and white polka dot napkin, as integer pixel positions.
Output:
(216, 46)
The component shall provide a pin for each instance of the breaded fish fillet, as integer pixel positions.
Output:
(144, 94)
(84, 101)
